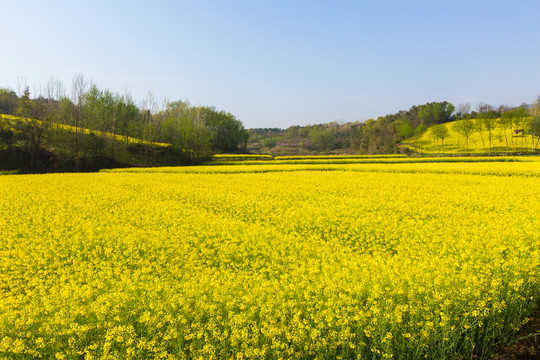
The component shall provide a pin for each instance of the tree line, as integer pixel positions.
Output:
(374, 136)
(193, 133)
(385, 134)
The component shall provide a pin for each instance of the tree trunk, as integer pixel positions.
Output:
(483, 142)
(506, 138)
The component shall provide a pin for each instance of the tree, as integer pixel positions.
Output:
(535, 130)
(506, 123)
(435, 113)
(440, 132)
(536, 107)
(535, 123)
(8, 101)
(483, 108)
(418, 131)
(227, 134)
(425, 114)
(467, 128)
(196, 136)
(479, 128)
(448, 111)
(187, 128)
(25, 105)
(520, 119)
(293, 131)
(33, 128)
(489, 124)
(483, 122)
(463, 111)
(184, 128)
(401, 129)
(457, 127)
(6, 136)
(127, 115)
(77, 94)
(323, 139)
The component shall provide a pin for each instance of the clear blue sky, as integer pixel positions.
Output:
(281, 63)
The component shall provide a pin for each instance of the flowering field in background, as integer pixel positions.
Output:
(227, 157)
(326, 157)
(11, 120)
(499, 165)
(354, 159)
(351, 261)
(503, 140)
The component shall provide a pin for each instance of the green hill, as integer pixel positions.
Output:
(30, 145)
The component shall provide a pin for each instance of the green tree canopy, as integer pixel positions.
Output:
(227, 134)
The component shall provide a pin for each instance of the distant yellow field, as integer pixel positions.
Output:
(344, 261)
(488, 165)
(227, 157)
(338, 157)
(478, 144)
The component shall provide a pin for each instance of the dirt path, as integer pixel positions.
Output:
(527, 347)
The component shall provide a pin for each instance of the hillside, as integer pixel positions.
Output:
(12, 121)
(30, 145)
(503, 140)
(96, 129)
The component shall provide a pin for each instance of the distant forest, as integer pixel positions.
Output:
(92, 128)
(374, 136)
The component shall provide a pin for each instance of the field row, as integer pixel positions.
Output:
(501, 166)
(225, 157)
(362, 159)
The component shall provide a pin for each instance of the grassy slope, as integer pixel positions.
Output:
(10, 120)
(56, 154)
(455, 143)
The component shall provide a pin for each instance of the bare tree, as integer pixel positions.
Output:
(506, 123)
(463, 110)
(535, 123)
(467, 128)
(490, 124)
(520, 119)
(77, 92)
(22, 85)
(485, 121)
(457, 127)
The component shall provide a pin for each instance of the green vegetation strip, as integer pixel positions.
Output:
(9, 172)
(328, 157)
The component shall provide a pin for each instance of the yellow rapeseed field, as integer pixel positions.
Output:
(502, 141)
(500, 165)
(350, 261)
